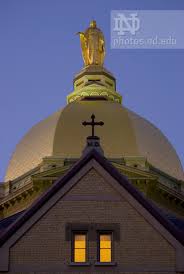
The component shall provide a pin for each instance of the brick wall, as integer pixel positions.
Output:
(140, 248)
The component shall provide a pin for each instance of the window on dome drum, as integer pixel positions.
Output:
(105, 247)
(79, 247)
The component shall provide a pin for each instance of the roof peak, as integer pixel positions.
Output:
(115, 174)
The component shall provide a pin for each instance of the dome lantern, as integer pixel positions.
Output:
(94, 80)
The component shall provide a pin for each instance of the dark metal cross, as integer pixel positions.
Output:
(93, 124)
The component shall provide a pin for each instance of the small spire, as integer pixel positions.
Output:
(93, 142)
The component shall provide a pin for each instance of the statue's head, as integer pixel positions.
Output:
(93, 24)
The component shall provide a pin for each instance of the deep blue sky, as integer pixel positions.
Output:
(40, 53)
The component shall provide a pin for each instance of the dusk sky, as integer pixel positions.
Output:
(40, 54)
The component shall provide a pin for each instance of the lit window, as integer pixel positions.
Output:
(79, 247)
(105, 247)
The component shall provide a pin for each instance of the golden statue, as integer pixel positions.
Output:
(92, 45)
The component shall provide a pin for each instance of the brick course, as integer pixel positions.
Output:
(140, 247)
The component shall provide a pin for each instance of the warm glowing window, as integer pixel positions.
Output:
(105, 247)
(79, 247)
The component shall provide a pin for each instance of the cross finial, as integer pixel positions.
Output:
(93, 124)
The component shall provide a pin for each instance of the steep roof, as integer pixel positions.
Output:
(6, 222)
(61, 182)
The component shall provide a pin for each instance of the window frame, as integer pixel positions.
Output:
(81, 232)
(105, 232)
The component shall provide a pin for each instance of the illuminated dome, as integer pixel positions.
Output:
(124, 134)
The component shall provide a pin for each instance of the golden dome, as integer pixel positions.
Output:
(124, 134)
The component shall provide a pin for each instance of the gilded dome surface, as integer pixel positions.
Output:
(124, 134)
